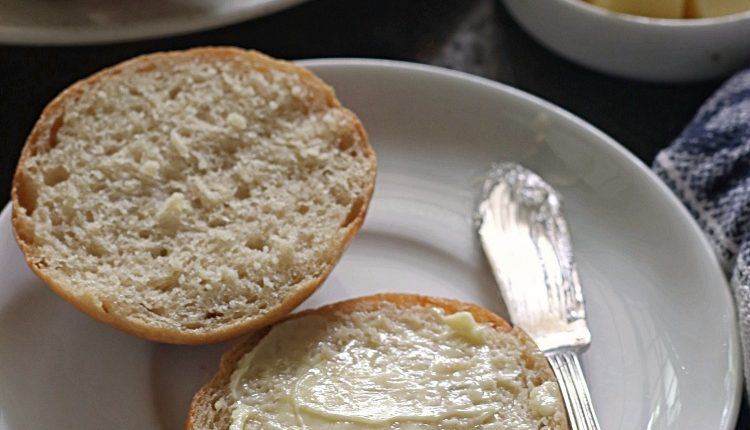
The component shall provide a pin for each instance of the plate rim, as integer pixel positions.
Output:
(604, 143)
(168, 27)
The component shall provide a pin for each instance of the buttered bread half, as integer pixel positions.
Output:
(383, 362)
(190, 197)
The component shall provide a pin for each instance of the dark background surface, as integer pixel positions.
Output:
(476, 36)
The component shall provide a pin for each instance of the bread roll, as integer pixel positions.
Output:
(189, 197)
(383, 362)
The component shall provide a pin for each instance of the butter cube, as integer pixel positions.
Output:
(650, 8)
(711, 8)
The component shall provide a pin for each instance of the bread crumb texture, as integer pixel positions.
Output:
(191, 191)
(389, 368)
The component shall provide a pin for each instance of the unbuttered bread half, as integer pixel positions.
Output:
(189, 197)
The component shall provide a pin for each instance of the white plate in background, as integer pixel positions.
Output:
(665, 351)
(65, 22)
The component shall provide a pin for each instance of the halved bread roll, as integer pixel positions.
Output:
(389, 361)
(190, 197)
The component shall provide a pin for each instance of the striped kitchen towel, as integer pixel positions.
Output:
(708, 167)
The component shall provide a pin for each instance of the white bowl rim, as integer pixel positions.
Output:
(649, 21)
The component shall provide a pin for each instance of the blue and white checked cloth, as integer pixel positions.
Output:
(708, 167)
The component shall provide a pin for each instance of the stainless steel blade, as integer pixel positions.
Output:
(526, 240)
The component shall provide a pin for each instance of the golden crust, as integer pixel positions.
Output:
(20, 193)
(203, 401)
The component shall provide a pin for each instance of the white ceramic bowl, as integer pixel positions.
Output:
(652, 49)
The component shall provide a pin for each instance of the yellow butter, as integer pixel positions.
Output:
(377, 372)
(465, 325)
(650, 8)
(543, 399)
(713, 8)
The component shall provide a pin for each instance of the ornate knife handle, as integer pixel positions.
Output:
(575, 392)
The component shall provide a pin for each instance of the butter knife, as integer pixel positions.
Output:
(525, 238)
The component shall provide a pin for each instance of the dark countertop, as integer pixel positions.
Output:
(476, 36)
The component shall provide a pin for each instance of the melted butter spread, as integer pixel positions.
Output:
(418, 369)
(543, 399)
(463, 324)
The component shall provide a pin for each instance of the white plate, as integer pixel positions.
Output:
(62, 22)
(665, 351)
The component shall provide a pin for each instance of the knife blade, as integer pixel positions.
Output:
(525, 238)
